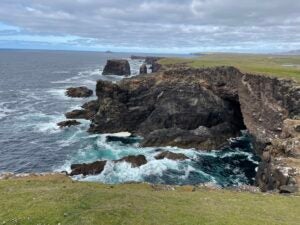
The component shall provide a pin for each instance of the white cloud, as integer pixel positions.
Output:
(177, 25)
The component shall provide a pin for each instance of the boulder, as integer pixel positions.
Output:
(68, 123)
(171, 155)
(88, 169)
(143, 69)
(117, 67)
(135, 161)
(79, 92)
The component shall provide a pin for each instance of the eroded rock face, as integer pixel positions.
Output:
(79, 92)
(68, 123)
(166, 109)
(117, 67)
(171, 155)
(202, 108)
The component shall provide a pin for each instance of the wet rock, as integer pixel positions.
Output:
(171, 155)
(68, 123)
(88, 169)
(79, 92)
(143, 69)
(98, 166)
(117, 67)
(77, 114)
(135, 161)
(124, 140)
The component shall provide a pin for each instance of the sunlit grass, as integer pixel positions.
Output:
(280, 66)
(58, 200)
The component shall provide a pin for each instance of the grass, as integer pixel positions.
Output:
(257, 64)
(58, 200)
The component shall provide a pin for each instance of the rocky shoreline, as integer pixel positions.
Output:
(202, 109)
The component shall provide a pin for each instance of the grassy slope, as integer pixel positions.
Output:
(56, 199)
(257, 64)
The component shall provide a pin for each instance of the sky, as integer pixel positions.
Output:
(157, 26)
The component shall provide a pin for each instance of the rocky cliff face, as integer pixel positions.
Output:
(271, 112)
(168, 109)
(202, 108)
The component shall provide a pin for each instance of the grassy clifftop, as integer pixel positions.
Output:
(58, 200)
(281, 66)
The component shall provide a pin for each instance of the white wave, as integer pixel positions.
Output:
(41, 122)
(123, 172)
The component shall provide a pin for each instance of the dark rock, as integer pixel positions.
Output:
(117, 67)
(79, 92)
(68, 123)
(171, 155)
(98, 166)
(166, 110)
(285, 189)
(136, 161)
(88, 169)
(143, 69)
(78, 114)
(124, 140)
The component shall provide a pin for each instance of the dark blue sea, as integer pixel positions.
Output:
(32, 101)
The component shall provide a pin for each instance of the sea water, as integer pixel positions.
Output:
(32, 101)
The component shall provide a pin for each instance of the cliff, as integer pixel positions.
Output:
(202, 108)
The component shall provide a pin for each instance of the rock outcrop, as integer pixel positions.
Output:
(88, 169)
(68, 123)
(171, 155)
(135, 161)
(98, 166)
(167, 109)
(143, 69)
(117, 67)
(201, 108)
(79, 92)
(87, 112)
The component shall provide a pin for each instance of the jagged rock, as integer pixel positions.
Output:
(116, 67)
(68, 123)
(171, 155)
(88, 169)
(136, 161)
(166, 110)
(79, 92)
(77, 114)
(203, 107)
(143, 69)
(88, 112)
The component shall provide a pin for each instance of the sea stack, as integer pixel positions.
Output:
(117, 67)
(143, 69)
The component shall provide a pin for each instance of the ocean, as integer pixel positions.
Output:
(32, 101)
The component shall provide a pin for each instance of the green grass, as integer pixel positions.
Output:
(257, 64)
(58, 200)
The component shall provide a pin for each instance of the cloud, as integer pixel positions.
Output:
(161, 25)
